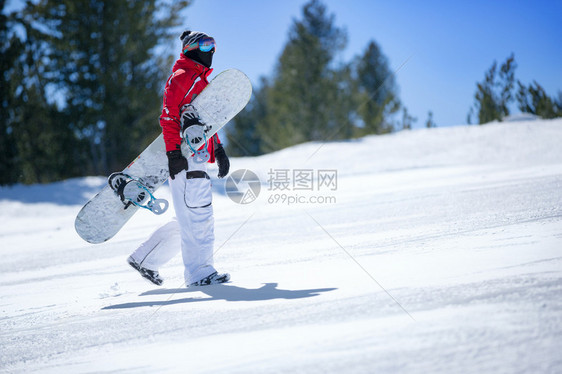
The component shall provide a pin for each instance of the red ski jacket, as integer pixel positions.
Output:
(187, 80)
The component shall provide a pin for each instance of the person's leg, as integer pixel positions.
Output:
(192, 195)
(160, 247)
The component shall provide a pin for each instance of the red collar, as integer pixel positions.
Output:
(188, 64)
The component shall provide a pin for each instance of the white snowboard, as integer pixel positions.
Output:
(105, 214)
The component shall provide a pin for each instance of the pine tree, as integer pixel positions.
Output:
(485, 103)
(314, 96)
(494, 94)
(407, 119)
(37, 146)
(506, 84)
(300, 101)
(100, 58)
(10, 47)
(429, 123)
(378, 98)
(243, 136)
(345, 103)
(533, 99)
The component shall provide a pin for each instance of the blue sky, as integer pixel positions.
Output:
(451, 43)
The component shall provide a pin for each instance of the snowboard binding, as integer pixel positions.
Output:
(195, 134)
(132, 191)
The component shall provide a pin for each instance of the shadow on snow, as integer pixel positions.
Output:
(268, 291)
(76, 191)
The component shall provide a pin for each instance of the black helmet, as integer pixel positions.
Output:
(198, 46)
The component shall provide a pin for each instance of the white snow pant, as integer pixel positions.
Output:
(192, 197)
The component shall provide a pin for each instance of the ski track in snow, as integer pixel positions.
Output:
(441, 254)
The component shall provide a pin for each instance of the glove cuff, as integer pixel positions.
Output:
(218, 148)
(174, 155)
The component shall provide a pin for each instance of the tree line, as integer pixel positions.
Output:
(81, 85)
(312, 96)
(499, 90)
(81, 88)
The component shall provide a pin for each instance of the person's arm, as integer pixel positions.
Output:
(170, 122)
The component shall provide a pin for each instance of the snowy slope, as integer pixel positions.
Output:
(441, 253)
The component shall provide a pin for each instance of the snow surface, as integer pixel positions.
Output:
(441, 254)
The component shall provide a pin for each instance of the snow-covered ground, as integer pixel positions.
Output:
(438, 251)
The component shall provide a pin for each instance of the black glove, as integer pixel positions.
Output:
(176, 162)
(222, 160)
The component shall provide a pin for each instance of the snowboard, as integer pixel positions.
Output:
(107, 212)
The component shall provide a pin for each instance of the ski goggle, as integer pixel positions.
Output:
(204, 45)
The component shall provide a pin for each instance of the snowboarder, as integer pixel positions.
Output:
(189, 182)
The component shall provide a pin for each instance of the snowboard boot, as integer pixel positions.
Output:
(214, 278)
(151, 275)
